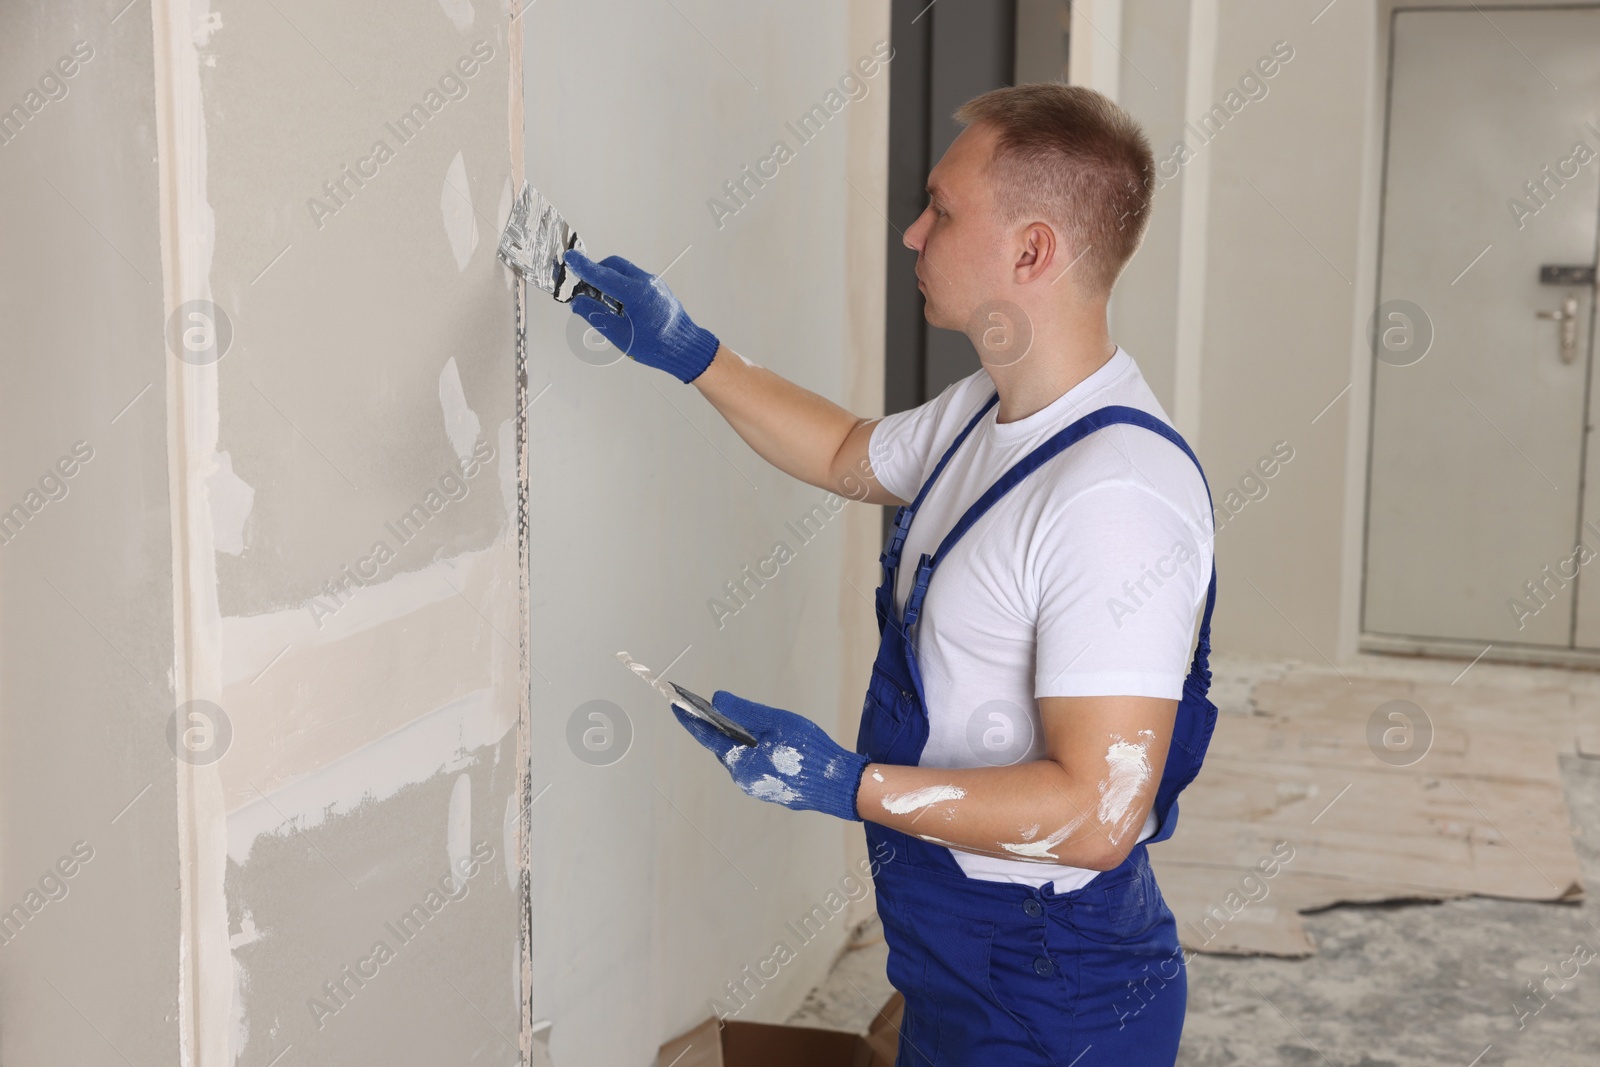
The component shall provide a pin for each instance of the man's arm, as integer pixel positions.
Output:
(1082, 805)
(794, 429)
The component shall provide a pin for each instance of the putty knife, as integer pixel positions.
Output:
(711, 716)
(535, 239)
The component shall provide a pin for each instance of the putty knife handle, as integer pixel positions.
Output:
(585, 289)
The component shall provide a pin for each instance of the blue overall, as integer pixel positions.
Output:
(1000, 973)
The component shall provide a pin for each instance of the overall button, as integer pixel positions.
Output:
(1043, 967)
(1033, 908)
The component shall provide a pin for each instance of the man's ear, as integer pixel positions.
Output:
(1039, 251)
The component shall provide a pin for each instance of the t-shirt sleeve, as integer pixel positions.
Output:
(1120, 581)
(901, 448)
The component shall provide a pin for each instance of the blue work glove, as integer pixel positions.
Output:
(796, 763)
(653, 328)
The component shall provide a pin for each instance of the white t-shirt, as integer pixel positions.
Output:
(1087, 579)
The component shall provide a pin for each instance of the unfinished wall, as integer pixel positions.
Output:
(360, 472)
(260, 626)
(263, 657)
(656, 883)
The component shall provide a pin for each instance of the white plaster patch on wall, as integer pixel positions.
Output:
(231, 499)
(251, 642)
(248, 933)
(458, 828)
(455, 205)
(461, 423)
(442, 742)
(239, 1028)
(207, 23)
(507, 444)
(460, 13)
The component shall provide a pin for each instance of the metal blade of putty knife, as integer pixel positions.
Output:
(703, 709)
(535, 239)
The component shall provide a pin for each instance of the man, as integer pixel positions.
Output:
(1034, 708)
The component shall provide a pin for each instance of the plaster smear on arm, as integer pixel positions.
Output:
(1041, 849)
(902, 803)
(1128, 768)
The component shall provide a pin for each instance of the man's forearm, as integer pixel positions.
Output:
(1031, 811)
(794, 429)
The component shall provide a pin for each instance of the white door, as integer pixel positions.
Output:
(1476, 499)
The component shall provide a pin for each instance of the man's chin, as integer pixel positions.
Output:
(934, 318)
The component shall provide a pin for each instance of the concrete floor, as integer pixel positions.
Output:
(1392, 985)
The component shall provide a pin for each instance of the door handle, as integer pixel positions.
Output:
(1568, 318)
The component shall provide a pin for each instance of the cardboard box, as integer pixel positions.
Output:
(740, 1044)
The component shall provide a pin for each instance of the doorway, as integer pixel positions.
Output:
(1483, 513)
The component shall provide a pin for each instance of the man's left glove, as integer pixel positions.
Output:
(796, 763)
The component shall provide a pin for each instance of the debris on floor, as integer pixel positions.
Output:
(1364, 789)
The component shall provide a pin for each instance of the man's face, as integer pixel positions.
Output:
(964, 251)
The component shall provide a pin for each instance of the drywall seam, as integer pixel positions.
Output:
(1195, 210)
(523, 794)
(205, 975)
(445, 741)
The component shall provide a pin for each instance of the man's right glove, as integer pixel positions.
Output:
(652, 328)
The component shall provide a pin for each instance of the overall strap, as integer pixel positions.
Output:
(1054, 446)
(904, 515)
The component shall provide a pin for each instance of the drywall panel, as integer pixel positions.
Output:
(656, 882)
(89, 905)
(342, 423)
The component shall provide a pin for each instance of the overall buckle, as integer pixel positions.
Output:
(918, 590)
(897, 537)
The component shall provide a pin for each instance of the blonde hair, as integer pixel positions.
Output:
(1069, 156)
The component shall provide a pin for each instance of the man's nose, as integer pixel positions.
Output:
(914, 234)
